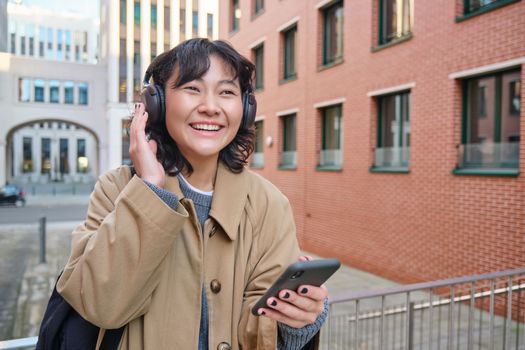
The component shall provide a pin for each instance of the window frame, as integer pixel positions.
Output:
(323, 147)
(287, 33)
(284, 141)
(382, 41)
(258, 58)
(466, 14)
(499, 106)
(326, 61)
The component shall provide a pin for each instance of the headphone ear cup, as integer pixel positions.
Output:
(249, 104)
(154, 103)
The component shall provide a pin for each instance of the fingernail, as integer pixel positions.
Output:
(304, 290)
(135, 106)
(274, 303)
(286, 295)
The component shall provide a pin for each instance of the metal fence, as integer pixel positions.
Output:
(475, 312)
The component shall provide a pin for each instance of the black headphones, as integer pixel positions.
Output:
(152, 96)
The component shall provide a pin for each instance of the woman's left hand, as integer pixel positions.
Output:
(297, 309)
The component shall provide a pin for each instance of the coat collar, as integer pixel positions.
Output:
(229, 197)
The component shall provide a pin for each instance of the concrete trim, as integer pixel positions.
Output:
(288, 24)
(335, 101)
(516, 62)
(260, 118)
(324, 3)
(287, 111)
(390, 90)
(257, 43)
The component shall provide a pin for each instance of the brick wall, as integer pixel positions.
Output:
(427, 224)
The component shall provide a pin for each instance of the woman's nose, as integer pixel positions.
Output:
(209, 105)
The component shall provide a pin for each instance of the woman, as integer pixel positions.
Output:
(181, 251)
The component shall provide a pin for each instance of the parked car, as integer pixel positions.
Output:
(12, 195)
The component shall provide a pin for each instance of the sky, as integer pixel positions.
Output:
(88, 7)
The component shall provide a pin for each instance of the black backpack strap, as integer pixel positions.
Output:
(132, 169)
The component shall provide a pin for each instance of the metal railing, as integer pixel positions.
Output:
(489, 155)
(396, 157)
(474, 312)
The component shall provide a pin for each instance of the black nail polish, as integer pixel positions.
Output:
(274, 303)
(286, 295)
(304, 290)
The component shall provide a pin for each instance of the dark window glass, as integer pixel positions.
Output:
(69, 88)
(22, 45)
(136, 71)
(396, 18)
(39, 90)
(210, 26)
(258, 6)
(393, 131)
(288, 150)
(167, 19)
(331, 143)
(123, 11)
(123, 70)
(82, 93)
(235, 15)
(136, 13)
(154, 16)
(126, 158)
(27, 164)
(475, 5)
(54, 89)
(45, 155)
(24, 87)
(64, 158)
(195, 24)
(333, 33)
(289, 53)
(257, 160)
(182, 23)
(259, 66)
(490, 130)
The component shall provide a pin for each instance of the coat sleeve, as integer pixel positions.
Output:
(118, 252)
(275, 247)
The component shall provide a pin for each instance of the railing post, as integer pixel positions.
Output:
(42, 231)
(410, 332)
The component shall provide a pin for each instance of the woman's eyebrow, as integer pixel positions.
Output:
(229, 82)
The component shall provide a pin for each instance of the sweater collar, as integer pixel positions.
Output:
(229, 198)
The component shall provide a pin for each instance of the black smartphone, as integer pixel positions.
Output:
(313, 273)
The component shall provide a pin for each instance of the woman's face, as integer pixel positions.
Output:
(204, 115)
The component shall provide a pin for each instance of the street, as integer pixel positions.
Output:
(53, 213)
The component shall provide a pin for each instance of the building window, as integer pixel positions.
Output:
(68, 45)
(258, 54)
(69, 88)
(396, 18)
(136, 71)
(27, 163)
(472, 6)
(288, 157)
(235, 15)
(82, 93)
(39, 90)
(153, 16)
(195, 24)
(289, 69)
(210, 26)
(393, 132)
(123, 68)
(12, 36)
(491, 127)
(136, 13)
(60, 53)
(122, 11)
(54, 91)
(126, 158)
(31, 37)
(24, 89)
(258, 152)
(167, 19)
(49, 51)
(330, 155)
(22, 36)
(333, 33)
(41, 41)
(182, 20)
(258, 7)
(45, 155)
(82, 160)
(64, 156)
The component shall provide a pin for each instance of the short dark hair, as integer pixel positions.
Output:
(192, 58)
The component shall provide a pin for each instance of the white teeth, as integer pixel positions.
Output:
(206, 127)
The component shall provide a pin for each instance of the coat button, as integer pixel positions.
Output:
(215, 286)
(224, 346)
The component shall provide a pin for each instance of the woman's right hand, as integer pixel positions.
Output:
(143, 152)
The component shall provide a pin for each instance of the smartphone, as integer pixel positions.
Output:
(313, 273)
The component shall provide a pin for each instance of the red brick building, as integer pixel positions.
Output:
(393, 126)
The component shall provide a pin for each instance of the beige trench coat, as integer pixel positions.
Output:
(137, 262)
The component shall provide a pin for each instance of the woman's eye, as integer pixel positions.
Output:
(191, 88)
(228, 92)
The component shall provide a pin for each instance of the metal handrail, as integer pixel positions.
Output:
(18, 343)
(365, 294)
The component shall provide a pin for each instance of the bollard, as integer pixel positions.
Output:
(42, 229)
